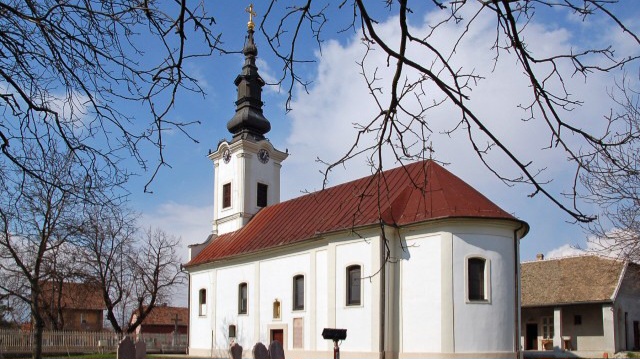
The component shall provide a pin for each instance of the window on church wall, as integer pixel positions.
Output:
(242, 298)
(262, 195)
(226, 195)
(476, 279)
(354, 280)
(298, 292)
(202, 302)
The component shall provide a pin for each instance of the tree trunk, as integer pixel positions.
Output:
(37, 337)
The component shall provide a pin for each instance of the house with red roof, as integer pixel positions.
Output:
(412, 262)
(584, 305)
(165, 327)
(72, 306)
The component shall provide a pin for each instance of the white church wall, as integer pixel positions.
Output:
(276, 282)
(485, 326)
(226, 173)
(200, 331)
(356, 319)
(420, 294)
(265, 173)
(321, 302)
(228, 280)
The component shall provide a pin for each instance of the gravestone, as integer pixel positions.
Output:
(236, 351)
(126, 349)
(141, 350)
(275, 350)
(260, 351)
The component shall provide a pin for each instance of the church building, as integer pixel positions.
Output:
(412, 262)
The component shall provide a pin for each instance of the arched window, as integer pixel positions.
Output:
(298, 292)
(477, 286)
(354, 279)
(242, 298)
(202, 302)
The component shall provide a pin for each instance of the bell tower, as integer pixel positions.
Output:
(247, 168)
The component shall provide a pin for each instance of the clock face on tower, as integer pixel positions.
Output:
(226, 156)
(263, 156)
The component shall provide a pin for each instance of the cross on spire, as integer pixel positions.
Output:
(252, 13)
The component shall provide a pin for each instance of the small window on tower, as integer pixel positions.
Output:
(226, 195)
(262, 195)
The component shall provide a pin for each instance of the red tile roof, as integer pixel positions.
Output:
(417, 192)
(165, 315)
(73, 296)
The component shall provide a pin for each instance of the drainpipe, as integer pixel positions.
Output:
(383, 290)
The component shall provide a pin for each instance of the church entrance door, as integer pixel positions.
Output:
(277, 334)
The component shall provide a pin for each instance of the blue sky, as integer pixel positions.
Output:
(321, 122)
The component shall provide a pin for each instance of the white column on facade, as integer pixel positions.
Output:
(608, 328)
(312, 305)
(240, 192)
(276, 183)
(331, 285)
(216, 196)
(212, 304)
(256, 301)
(376, 290)
(446, 292)
(557, 327)
(392, 319)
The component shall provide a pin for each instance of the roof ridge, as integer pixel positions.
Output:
(383, 172)
(407, 194)
(573, 256)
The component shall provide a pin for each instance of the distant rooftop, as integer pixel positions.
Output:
(570, 280)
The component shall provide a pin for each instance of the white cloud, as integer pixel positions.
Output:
(617, 244)
(566, 250)
(190, 223)
(322, 121)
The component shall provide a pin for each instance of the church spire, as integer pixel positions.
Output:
(249, 120)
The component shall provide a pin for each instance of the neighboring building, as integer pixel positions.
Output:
(413, 262)
(74, 306)
(165, 326)
(587, 304)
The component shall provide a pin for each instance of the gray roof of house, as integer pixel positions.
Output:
(570, 280)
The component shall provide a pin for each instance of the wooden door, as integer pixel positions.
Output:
(277, 335)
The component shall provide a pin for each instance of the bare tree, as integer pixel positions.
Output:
(613, 181)
(134, 271)
(68, 68)
(56, 292)
(425, 73)
(67, 71)
(36, 218)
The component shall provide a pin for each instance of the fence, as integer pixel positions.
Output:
(17, 341)
(165, 342)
